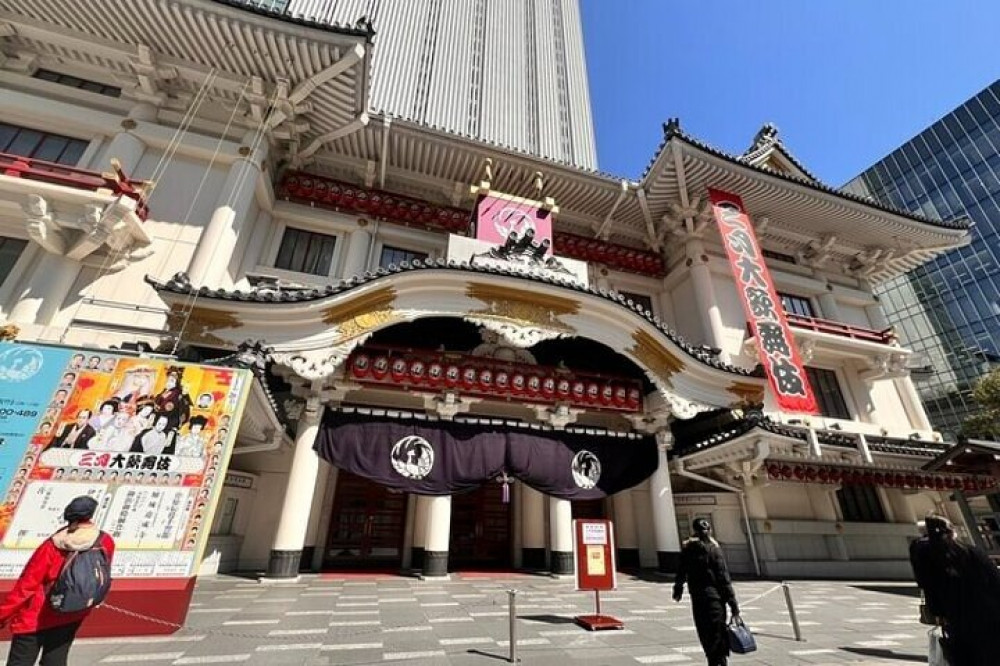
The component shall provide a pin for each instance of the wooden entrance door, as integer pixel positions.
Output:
(366, 525)
(480, 529)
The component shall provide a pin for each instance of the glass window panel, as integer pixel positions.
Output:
(826, 387)
(395, 256)
(798, 305)
(7, 134)
(25, 143)
(51, 148)
(305, 252)
(73, 152)
(639, 299)
(860, 504)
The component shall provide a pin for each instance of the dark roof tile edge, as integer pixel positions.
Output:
(179, 285)
(368, 31)
(672, 130)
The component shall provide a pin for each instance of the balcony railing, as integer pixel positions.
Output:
(29, 168)
(885, 337)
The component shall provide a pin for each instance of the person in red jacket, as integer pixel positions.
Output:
(36, 626)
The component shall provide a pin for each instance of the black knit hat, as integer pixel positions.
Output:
(80, 509)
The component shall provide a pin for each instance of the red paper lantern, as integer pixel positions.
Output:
(435, 373)
(399, 369)
(534, 386)
(380, 368)
(621, 396)
(823, 475)
(486, 379)
(773, 470)
(878, 478)
(799, 473)
(518, 383)
(361, 365)
(607, 395)
(593, 393)
(835, 475)
(811, 473)
(502, 381)
(452, 375)
(786, 472)
(634, 398)
(469, 377)
(549, 387)
(579, 391)
(563, 389)
(417, 370)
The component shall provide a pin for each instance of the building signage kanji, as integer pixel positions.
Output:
(778, 353)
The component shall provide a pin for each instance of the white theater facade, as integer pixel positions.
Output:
(332, 249)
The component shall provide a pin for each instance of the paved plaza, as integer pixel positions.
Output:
(387, 619)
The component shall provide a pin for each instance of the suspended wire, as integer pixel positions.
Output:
(112, 257)
(192, 297)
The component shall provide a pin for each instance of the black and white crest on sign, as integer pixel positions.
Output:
(412, 457)
(586, 469)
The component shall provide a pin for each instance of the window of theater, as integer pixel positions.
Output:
(797, 305)
(305, 252)
(41, 145)
(76, 82)
(639, 299)
(395, 256)
(829, 396)
(10, 252)
(860, 504)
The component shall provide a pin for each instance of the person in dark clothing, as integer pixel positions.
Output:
(961, 588)
(703, 568)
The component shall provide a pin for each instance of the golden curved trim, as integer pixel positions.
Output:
(522, 307)
(199, 324)
(747, 393)
(652, 354)
(363, 314)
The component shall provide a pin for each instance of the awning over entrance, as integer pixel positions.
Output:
(429, 457)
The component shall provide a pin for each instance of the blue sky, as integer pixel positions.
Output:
(846, 81)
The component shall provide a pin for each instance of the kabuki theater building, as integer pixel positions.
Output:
(456, 345)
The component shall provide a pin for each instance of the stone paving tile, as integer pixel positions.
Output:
(464, 621)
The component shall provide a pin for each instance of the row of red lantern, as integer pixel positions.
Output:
(483, 378)
(617, 257)
(377, 204)
(885, 479)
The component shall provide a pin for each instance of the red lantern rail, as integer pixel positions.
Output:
(466, 374)
(312, 190)
(29, 168)
(914, 480)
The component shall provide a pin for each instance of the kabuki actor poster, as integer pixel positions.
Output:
(148, 438)
(778, 353)
(497, 217)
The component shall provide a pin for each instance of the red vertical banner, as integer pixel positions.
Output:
(775, 343)
(497, 217)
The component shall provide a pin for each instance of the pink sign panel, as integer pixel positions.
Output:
(497, 218)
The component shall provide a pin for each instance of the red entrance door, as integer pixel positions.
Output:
(366, 526)
(480, 529)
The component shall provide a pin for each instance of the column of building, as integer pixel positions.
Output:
(707, 305)
(210, 262)
(667, 539)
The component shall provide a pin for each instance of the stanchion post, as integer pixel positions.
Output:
(791, 611)
(512, 607)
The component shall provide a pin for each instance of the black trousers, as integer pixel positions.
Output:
(53, 643)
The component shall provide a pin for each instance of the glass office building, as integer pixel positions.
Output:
(949, 309)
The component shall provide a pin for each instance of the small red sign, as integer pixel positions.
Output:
(498, 217)
(594, 550)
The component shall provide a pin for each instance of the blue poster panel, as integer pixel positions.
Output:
(148, 438)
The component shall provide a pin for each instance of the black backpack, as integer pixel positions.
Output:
(83, 581)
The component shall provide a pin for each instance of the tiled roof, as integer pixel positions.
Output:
(253, 356)
(672, 130)
(740, 427)
(362, 28)
(767, 139)
(180, 284)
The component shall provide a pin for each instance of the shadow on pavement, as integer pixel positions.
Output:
(886, 654)
(547, 619)
(480, 653)
(900, 590)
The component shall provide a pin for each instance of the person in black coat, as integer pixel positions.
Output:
(703, 568)
(961, 588)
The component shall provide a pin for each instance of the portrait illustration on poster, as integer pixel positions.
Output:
(148, 438)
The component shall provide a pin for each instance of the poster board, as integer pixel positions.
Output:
(594, 554)
(148, 438)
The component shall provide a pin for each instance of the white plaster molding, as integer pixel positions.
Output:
(885, 366)
(517, 336)
(113, 229)
(316, 364)
(558, 416)
(493, 347)
(447, 405)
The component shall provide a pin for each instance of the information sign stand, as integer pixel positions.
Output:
(594, 557)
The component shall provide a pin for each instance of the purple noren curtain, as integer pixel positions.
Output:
(444, 457)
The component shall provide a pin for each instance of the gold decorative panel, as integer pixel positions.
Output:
(362, 315)
(654, 356)
(199, 324)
